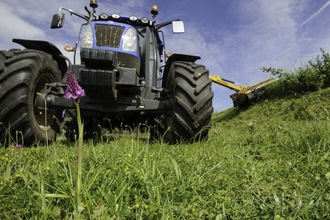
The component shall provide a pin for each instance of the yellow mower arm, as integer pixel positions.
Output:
(244, 93)
(227, 83)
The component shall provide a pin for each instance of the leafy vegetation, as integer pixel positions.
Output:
(269, 161)
(312, 76)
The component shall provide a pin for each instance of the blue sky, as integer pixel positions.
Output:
(235, 38)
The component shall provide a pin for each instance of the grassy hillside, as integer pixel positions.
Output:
(268, 161)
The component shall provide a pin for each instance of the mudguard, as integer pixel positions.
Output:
(46, 47)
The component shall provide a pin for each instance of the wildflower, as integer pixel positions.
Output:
(18, 146)
(73, 90)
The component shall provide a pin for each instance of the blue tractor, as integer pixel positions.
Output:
(128, 78)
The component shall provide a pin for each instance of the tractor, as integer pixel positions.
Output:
(128, 77)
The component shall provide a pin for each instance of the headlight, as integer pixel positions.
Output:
(104, 16)
(133, 18)
(145, 20)
(87, 40)
(115, 16)
(129, 42)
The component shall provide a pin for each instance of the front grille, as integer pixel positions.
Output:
(108, 35)
(99, 84)
(98, 58)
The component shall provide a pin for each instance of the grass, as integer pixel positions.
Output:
(257, 164)
(269, 161)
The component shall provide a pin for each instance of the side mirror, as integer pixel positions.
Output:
(57, 21)
(178, 27)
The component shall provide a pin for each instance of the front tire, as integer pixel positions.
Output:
(24, 73)
(189, 119)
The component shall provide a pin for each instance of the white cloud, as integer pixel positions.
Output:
(268, 32)
(12, 26)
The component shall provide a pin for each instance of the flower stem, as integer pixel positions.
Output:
(80, 155)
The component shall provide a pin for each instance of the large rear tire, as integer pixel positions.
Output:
(189, 119)
(23, 73)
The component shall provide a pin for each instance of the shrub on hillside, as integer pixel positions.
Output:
(309, 77)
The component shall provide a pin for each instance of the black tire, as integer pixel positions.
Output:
(23, 74)
(190, 117)
(4, 55)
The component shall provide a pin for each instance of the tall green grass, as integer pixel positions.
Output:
(268, 161)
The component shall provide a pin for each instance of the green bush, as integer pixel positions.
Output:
(313, 76)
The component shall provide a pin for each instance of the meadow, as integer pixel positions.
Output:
(267, 161)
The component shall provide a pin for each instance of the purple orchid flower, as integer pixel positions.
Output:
(73, 89)
(18, 146)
